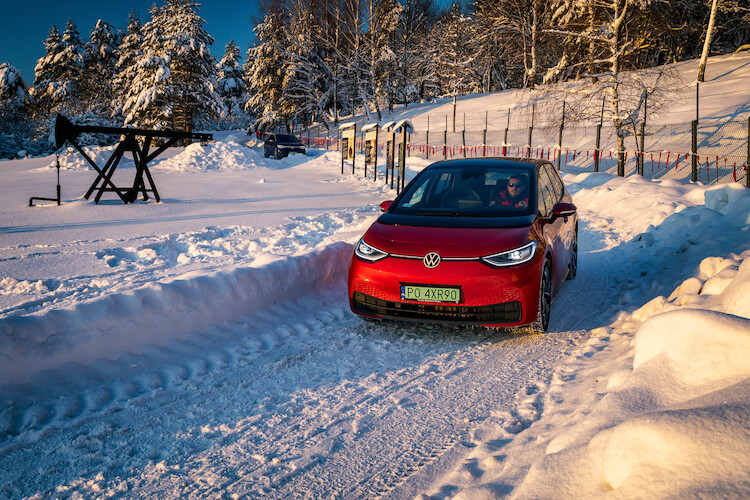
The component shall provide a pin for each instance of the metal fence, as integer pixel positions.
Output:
(708, 151)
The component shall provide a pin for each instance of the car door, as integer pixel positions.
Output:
(553, 230)
(567, 233)
(271, 145)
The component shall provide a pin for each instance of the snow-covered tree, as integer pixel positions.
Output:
(416, 78)
(14, 101)
(231, 84)
(615, 39)
(99, 68)
(71, 64)
(265, 72)
(174, 81)
(50, 88)
(455, 53)
(383, 65)
(194, 90)
(147, 103)
(129, 51)
(307, 77)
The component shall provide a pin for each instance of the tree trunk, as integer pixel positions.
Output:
(534, 21)
(621, 7)
(592, 43)
(707, 43)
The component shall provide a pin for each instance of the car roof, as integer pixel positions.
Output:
(488, 162)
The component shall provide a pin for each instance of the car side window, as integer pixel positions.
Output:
(545, 195)
(556, 181)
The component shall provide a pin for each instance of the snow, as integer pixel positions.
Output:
(203, 346)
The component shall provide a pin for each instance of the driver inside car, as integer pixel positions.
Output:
(516, 193)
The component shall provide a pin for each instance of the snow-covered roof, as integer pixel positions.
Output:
(347, 125)
(406, 124)
(387, 124)
(369, 126)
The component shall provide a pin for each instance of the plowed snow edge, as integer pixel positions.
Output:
(127, 322)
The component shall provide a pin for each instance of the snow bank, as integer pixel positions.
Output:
(673, 422)
(654, 404)
(126, 322)
(220, 155)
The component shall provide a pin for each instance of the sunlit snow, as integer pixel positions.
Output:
(203, 346)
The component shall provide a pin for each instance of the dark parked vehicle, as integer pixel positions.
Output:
(280, 145)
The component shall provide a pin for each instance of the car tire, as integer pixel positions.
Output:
(265, 153)
(545, 300)
(573, 264)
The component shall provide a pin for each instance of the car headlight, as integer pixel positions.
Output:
(368, 252)
(513, 257)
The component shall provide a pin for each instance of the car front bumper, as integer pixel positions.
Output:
(489, 296)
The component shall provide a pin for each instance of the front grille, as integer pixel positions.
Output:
(507, 312)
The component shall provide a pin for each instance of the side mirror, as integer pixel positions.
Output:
(385, 205)
(563, 210)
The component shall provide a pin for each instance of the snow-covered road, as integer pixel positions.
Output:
(301, 398)
(152, 356)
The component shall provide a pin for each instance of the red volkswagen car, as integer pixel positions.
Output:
(472, 241)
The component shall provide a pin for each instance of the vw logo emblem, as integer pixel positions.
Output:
(431, 260)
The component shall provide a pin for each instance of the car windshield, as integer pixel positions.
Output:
(471, 191)
(286, 138)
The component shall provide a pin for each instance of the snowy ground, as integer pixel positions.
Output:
(203, 346)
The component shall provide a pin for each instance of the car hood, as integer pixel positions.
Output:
(447, 241)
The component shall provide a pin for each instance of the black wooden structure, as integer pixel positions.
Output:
(67, 131)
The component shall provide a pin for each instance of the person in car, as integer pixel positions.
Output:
(515, 195)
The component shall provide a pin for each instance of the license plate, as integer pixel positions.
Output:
(424, 293)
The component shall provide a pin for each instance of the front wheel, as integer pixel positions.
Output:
(573, 264)
(545, 300)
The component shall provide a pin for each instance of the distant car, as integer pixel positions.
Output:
(280, 145)
(471, 241)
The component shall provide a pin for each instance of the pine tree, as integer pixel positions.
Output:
(146, 99)
(71, 64)
(307, 83)
(383, 64)
(174, 80)
(455, 54)
(416, 77)
(194, 91)
(129, 53)
(264, 70)
(48, 89)
(14, 101)
(99, 68)
(231, 84)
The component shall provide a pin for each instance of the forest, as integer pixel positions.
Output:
(317, 61)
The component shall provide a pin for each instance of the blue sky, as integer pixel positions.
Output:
(26, 24)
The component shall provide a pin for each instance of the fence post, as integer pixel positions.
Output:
(694, 151)
(445, 139)
(559, 141)
(598, 146)
(531, 131)
(597, 151)
(463, 136)
(505, 138)
(427, 140)
(484, 135)
(643, 136)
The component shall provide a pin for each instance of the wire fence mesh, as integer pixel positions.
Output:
(666, 150)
